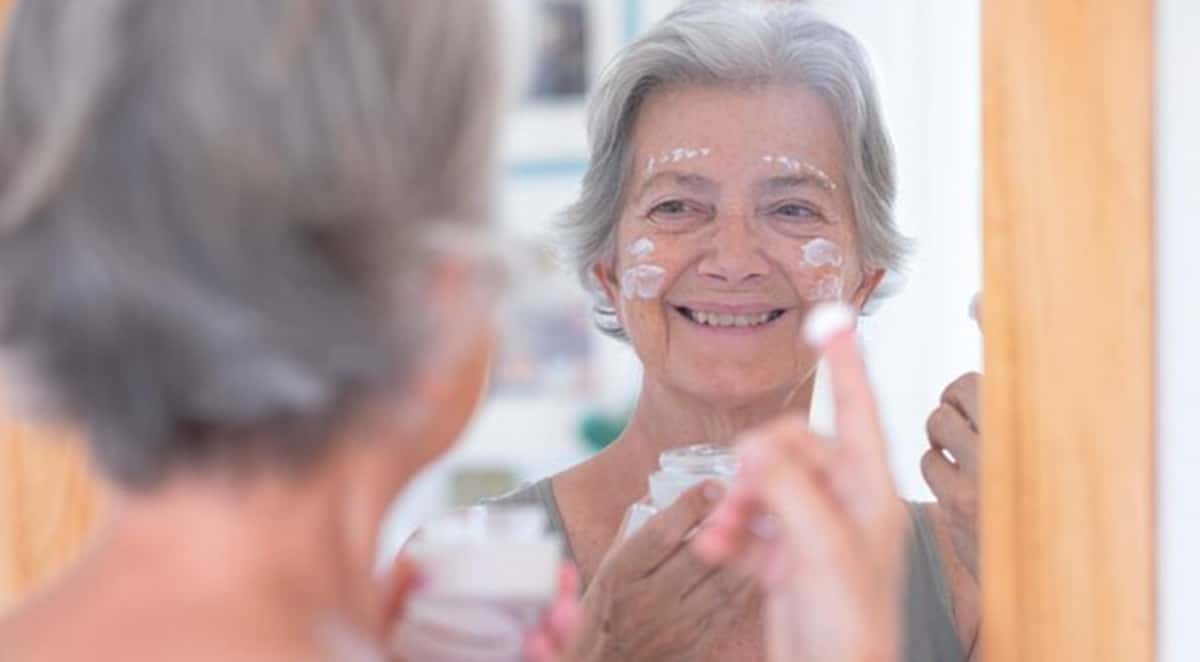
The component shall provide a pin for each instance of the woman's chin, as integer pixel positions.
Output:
(735, 387)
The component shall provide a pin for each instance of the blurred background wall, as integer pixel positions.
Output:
(1178, 328)
(562, 389)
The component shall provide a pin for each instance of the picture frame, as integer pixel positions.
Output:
(569, 41)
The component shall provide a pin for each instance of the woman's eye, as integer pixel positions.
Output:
(670, 207)
(797, 211)
(678, 214)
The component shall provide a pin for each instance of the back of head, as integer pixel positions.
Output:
(213, 214)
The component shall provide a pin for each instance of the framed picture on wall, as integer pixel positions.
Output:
(569, 42)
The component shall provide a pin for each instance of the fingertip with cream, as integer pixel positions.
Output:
(826, 321)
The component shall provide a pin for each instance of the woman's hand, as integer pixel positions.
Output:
(818, 522)
(399, 583)
(653, 598)
(555, 639)
(954, 427)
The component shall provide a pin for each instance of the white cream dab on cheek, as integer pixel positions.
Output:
(641, 248)
(642, 282)
(822, 253)
(828, 289)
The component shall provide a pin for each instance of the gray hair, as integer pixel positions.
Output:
(725, 42)
(211, 213)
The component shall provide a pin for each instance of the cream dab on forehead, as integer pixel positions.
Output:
(800, 166)
(676, 155)
(822, 253)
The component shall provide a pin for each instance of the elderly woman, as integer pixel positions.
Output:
(235, 249)
(740, 175)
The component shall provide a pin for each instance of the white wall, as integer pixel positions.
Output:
(1179, 329)
(927, 56)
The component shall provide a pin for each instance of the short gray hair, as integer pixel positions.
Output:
(209, 211)
(714, 42)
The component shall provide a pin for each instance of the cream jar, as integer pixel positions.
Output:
(680, 469)
(488, 574)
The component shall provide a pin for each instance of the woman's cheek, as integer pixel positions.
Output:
(819, 269)
(640, 276)
(643, 281)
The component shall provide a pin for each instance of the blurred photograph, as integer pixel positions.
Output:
(561, 51)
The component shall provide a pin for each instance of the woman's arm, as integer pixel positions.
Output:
(964, 589)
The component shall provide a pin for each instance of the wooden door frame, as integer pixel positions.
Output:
(1068, 486)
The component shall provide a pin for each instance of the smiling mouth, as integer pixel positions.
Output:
(729, 320)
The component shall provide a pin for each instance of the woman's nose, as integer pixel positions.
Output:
(736, 255)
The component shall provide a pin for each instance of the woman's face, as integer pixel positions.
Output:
(736, 221)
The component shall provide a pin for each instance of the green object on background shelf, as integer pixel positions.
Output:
(599, 429)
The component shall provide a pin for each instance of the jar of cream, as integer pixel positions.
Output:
(489, 572)
(680, 469)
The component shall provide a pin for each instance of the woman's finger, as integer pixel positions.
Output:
(402, 579)
(776, 480)
(742, 518)
(560, 622)
(963, 395)
(563, 617)
(830, 329)
(948, 430)
(540, 648)
(726, 532)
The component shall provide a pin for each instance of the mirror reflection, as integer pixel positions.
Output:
(691, 378)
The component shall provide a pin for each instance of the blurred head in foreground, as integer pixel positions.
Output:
(239, 251)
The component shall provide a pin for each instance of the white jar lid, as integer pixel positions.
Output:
(489, 553)
(705, 459)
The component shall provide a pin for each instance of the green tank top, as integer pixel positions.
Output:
(930, 635)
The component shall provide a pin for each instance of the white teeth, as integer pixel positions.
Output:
(728, 320)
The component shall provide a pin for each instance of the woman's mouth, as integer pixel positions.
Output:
(727, 320)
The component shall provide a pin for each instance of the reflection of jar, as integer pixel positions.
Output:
(680, 469)
(488, 573)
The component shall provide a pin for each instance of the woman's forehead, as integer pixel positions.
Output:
(737, 122)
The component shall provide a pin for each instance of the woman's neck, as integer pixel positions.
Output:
(668, 418)
(270, 564)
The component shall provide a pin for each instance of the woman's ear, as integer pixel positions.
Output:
(607, 277)
(870, 283)
(451, 375)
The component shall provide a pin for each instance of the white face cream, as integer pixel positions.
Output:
(828, 289)
(799, 166)
(641, 249)
(823, 253)
(675, 156)
(643, 282)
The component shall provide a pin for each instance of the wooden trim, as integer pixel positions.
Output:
(47, 499)
(48, 502)
(1068, 489)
